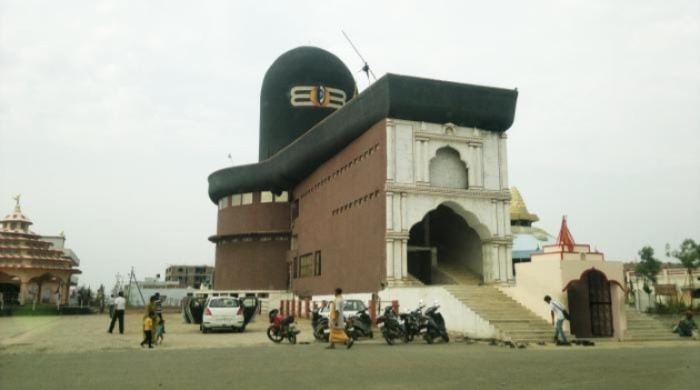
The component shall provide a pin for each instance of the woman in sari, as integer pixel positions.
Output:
(337, 322)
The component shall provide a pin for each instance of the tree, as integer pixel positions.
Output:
(648, 267)
(689, 255)
(84, 295)
(101, 298)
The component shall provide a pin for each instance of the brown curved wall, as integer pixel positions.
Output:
(251, 246)
(256, 217)
(254, 265)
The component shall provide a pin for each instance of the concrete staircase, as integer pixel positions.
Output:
(643, 327)
(511, 319)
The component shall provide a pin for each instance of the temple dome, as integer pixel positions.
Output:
(518, 209)
(17, 216)
(301, 88)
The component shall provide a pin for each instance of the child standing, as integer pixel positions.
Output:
(148, 329)
(160, 329)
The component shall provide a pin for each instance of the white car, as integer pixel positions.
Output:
(352, 306)
(228, 313)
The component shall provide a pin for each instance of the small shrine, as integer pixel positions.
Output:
(582, 279)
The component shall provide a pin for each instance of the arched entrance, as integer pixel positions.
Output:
(9, 288)
(590, 303)
(443, 239)
(44, 287)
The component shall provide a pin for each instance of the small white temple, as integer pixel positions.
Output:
(583, 280)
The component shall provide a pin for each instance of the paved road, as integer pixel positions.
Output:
(367, 366)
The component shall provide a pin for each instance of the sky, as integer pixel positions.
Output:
(113, 113)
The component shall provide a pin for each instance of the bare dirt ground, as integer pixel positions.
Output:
(76, 352)
(89, 333)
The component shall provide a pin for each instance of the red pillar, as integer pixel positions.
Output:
(373, 311)
(307, 308)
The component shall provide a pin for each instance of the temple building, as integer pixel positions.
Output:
(527, 239)
(400, 185)
(588, 284)
(33, 268)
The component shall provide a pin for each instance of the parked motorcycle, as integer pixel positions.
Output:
(319, 326)
(433, 325)
(412, 321)
(390, 327)
(359, 325)
(282, 327)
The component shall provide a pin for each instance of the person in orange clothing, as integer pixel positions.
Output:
(148, 329)
(337, 322)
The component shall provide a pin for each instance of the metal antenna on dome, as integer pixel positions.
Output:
(365, 67)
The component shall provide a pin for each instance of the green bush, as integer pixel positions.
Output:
(671, 308)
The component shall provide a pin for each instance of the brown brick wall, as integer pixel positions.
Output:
(342, 214)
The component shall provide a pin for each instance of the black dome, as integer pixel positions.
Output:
(301, 88)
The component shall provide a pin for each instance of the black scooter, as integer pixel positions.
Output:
(412, 321)
(319, 326)
(360, 325)
(433, 325)
(390, 327)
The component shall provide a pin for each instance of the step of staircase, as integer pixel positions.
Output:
(512, 320)
(643, 327)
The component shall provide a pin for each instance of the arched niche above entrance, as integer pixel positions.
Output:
(448, 170)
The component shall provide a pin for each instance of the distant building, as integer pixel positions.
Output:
(673, 284)
(171, 292)
(32, 267)
(190, 275)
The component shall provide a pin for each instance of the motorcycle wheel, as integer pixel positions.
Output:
(388, 339)
(292, 338)
(273, 335)
(445, 337)
(428, 338)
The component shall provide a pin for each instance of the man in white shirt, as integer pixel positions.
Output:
(557, 311)
(119, 307)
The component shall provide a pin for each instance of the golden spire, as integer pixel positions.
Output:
(518, 210)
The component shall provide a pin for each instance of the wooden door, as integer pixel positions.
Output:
(600, 304)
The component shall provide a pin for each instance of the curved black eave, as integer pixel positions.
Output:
(392, 96)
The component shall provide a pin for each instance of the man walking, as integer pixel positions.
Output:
(337, 322)
(557, 310)
(119, 307)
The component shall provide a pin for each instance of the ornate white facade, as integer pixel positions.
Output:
(414, 188)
